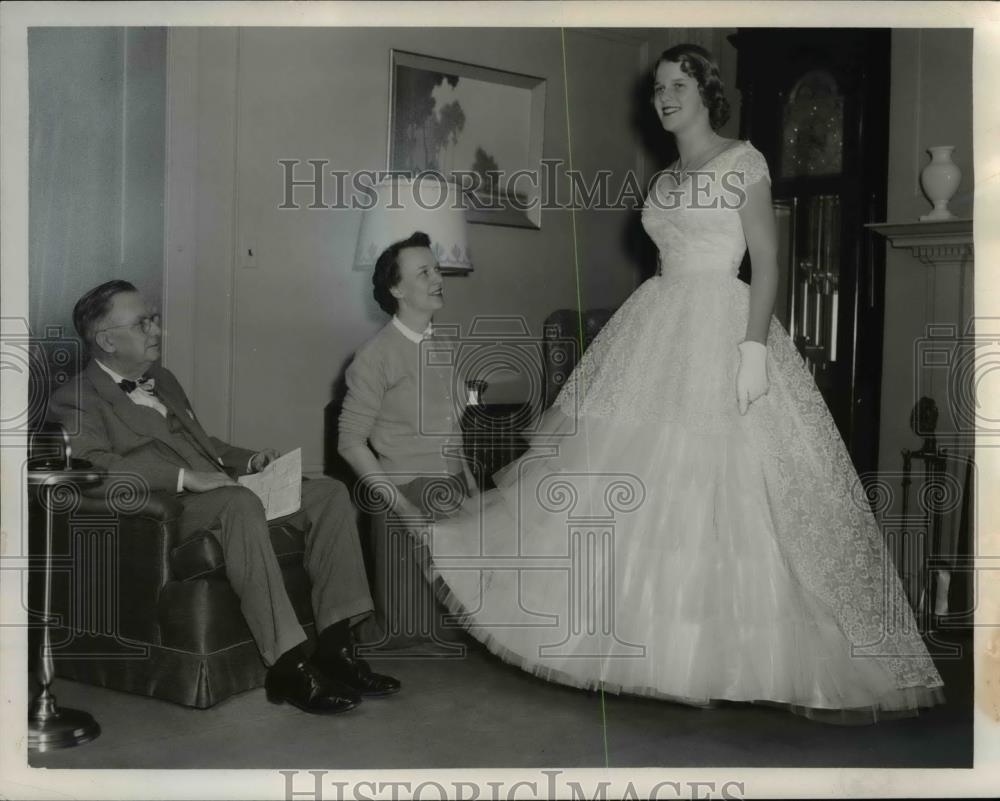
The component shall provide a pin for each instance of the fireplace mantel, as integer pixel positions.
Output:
(947, 242)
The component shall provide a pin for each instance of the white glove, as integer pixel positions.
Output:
(751, 377)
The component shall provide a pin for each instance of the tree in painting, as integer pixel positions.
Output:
(447, 122)
(449, 125)
(422, 138)
(486, 167)
(419, 132)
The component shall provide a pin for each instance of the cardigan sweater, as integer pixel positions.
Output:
(404, 399)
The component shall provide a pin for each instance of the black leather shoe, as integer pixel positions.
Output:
(356, 674)
(304, 685)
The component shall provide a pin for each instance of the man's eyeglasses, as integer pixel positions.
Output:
(145, 323)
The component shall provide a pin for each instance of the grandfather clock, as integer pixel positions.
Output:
(815, 102)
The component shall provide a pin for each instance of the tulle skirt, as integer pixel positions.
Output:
(653, 541)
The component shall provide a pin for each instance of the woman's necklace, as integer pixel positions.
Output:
(683, 170)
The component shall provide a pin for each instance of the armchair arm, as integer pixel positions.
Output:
(157, 507)
(142, 528)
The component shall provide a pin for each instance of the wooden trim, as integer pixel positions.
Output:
(946, 242)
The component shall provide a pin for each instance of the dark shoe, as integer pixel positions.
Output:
(357, 675)
(304, 685)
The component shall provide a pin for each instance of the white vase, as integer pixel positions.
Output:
(940, 179)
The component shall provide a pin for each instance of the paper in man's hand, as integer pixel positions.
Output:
(279, 485)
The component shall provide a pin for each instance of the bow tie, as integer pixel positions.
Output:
(145, 383)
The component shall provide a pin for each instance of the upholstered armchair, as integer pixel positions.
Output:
(139, 609)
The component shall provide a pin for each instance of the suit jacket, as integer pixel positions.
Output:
(117, 435)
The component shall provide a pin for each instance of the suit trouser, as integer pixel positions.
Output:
(332, 559)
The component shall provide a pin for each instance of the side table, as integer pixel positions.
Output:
(493, 437)
(50, 727)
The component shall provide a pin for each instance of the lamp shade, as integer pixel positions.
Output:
(405, 205)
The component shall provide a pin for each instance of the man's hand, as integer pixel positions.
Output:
(262, 459)
(195, 481)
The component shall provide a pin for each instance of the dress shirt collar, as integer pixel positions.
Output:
(409, 333)
(114, 376)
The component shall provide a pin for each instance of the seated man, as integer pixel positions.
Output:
(125, 413)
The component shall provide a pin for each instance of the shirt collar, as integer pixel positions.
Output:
(409, 333)
(114, 376)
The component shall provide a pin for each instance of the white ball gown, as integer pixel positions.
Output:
(654, 541)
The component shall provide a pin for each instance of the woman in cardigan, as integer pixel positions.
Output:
(400, 427)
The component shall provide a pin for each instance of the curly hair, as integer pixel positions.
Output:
(697, 62)
(386, 274)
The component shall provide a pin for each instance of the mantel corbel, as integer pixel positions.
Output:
(946, 242)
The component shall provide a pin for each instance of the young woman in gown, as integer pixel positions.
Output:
(687, 523)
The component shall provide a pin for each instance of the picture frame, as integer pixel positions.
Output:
(479, 127)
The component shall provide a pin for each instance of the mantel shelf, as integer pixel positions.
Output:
(946, 242)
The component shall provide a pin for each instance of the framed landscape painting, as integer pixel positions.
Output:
(478, 127)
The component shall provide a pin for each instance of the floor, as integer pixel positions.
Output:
(477, 712)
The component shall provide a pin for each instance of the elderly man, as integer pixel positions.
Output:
(128, 414)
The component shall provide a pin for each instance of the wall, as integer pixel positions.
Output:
(260, 343)
(931, 104)
(96, 122)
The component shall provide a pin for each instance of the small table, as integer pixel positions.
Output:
(493, 437)
(50, 727)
